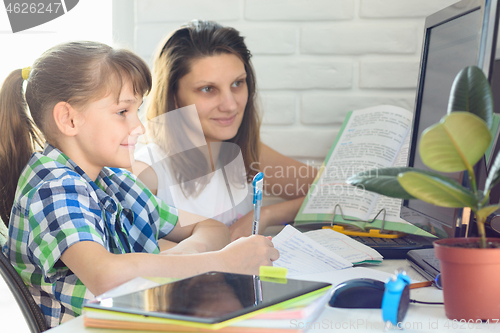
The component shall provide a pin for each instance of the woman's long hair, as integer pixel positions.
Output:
(173, 59)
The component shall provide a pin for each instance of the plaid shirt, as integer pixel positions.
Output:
(58, 205)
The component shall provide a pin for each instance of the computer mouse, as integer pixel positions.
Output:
(358, 293)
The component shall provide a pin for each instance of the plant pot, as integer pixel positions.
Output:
(470, 279)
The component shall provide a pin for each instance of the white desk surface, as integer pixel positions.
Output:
(419, 318)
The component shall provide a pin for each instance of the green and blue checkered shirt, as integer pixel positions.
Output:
(58, 205)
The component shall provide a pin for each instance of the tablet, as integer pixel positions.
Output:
(210, 298)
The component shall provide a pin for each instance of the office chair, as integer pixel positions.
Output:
(29, 308)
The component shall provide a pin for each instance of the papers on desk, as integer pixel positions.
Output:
(280, 321)
(319, 251)
(345, 246)
(277, 319)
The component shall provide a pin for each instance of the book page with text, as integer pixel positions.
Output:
(371, 138)
(392, 205)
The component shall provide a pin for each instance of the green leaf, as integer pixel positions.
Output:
(436, 189)
(456, 143)
(493, 175)
(483, 213)
(471, 92)
(382, 181)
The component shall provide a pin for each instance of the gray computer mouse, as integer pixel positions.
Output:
(358, 293)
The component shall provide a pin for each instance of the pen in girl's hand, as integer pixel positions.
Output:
(258, 184)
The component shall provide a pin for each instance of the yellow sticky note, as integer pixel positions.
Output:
(273, 272)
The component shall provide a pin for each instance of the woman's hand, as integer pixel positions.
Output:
(165, 244)
(277, 214)
(185, 248)
(243, 226)
(199, 235)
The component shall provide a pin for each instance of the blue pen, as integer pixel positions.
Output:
(258, 184)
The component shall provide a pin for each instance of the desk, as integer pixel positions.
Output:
(420, 318)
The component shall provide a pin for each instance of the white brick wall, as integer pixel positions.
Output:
(315, 59)
(300, 73)
(355, 38)
(299, 10)
(401, 8)
(388, 74)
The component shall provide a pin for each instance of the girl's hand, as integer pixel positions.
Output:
(246, 255)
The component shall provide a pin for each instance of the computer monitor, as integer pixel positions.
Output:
(460, 35)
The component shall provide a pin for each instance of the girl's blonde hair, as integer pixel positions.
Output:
(77, 73)
(173, 59)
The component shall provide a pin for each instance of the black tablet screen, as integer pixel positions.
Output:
(210, 298)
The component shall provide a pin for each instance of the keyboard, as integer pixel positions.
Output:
(396, 248)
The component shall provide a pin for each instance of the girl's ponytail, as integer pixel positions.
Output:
(76, 73)
(18, 139)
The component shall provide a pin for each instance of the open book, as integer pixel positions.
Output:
(376, 137)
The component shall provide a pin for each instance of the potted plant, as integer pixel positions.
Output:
(470, 267)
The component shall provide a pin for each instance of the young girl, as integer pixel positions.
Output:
(78, 225)
(208, 66)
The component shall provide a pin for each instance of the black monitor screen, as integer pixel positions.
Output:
(454, 39)
(452, 46)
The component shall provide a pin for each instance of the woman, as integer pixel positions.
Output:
(208, 66)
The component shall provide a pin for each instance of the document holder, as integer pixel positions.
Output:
(379, 233)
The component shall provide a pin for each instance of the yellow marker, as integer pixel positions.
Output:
(273, 272)
(370, 233)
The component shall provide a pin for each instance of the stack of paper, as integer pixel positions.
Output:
(291, 320)
(288, 317)
(319, 251)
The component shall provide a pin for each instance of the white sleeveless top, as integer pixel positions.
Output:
(220, 201)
